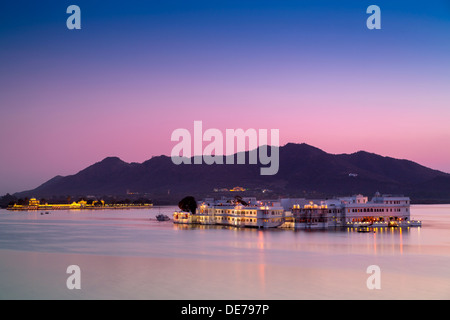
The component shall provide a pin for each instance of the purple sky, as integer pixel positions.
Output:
(123, 83)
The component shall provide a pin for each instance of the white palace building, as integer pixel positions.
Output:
(229, 212)
(381, 210)
(354, 211)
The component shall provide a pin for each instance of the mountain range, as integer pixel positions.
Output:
(304, 171)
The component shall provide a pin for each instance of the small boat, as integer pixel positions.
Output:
(392, 224)
(162, 217)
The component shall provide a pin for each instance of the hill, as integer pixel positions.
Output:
(304, 171)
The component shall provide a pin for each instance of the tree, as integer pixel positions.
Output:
(7, 200)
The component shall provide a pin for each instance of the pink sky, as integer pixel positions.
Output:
(62, 133)
(126, 81)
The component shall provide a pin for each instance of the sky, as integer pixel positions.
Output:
(138, 70)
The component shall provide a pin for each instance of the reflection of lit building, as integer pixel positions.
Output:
(251, 213)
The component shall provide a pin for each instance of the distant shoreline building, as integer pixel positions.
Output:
(34, 204)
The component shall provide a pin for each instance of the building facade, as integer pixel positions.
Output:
(381, 210)
(300, 213)
(258, 214)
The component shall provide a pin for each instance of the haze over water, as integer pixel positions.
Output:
(127, 254)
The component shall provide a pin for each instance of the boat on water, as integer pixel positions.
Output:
(392, 224)
(162, 217)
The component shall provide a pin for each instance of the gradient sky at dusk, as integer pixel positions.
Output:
(137, 70)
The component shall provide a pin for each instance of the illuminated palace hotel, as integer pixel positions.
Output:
(357, 210)
(381, 210)
(248, 213)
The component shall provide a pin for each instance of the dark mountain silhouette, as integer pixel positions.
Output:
(304, 171)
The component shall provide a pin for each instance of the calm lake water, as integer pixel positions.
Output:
(127, 254)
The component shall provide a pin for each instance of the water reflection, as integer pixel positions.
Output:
(248, 263)
(383, 240)
(273, 244)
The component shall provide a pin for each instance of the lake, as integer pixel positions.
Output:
(127, 254)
